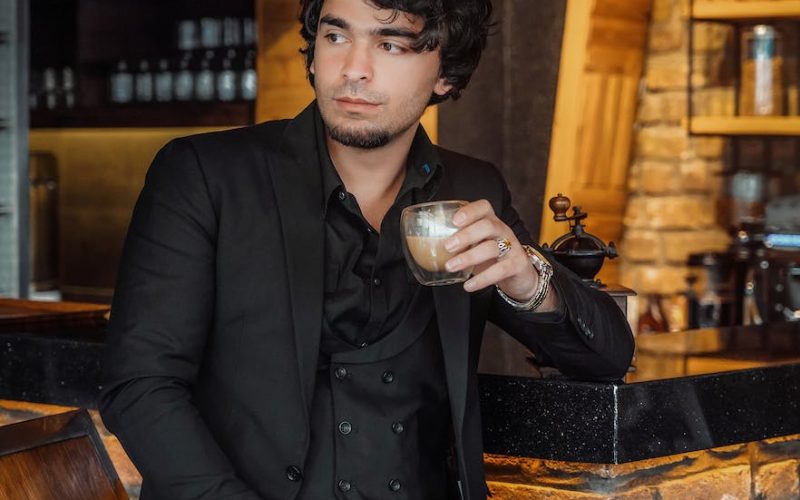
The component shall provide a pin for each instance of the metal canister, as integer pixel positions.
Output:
(761, 86)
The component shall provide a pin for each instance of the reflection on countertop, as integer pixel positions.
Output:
(710, 350)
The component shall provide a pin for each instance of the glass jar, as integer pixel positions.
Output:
(121, 87)
(761, 87)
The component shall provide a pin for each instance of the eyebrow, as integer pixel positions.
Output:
(342, 24)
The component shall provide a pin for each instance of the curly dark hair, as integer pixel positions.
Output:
(458, 27)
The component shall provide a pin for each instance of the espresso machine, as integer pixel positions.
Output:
(757, 280)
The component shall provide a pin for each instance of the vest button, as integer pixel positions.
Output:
(293, 473)
(345, 428)
(344, 485)
(388, 377)
(397, 427)
(340, 373)
(394, 485)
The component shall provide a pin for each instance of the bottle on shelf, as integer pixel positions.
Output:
(248, 83)
(210, 33)
(121, 84)
(144, 82)
(226, 78)
(761, 90)
(35, 89)
(653, 319)
(50, 86)
(184, 79)
(163, 82)
(204, 80)
(249, 32)
(68, 87)
(231, 32)
(188, 39)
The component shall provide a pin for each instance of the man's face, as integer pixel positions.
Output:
(371, 86)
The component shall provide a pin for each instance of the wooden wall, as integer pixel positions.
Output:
(600, 70)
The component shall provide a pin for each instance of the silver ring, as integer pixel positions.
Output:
(503, 247)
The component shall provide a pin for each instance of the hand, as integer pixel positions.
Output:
(476, 245)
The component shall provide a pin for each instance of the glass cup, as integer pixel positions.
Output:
(425, 227)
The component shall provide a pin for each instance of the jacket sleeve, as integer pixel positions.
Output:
(161, 315)
(589, 338)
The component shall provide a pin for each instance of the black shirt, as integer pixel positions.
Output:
(368, 285)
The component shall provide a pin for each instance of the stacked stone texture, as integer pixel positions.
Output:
(672, 207)
(764, 470)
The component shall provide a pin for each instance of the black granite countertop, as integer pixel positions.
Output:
(690, 391)
(56, 366)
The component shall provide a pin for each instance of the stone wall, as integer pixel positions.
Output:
(674, 188)
(765, 470)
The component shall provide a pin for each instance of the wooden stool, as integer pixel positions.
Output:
(56, 457)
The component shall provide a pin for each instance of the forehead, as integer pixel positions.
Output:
(363, 14)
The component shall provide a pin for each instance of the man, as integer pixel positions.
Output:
(267, 339)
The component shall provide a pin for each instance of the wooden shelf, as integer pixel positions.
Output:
(746, 125)
(175, 114)
(731, 11)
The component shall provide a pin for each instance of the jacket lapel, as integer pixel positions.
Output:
(452, 316)
(298, 191)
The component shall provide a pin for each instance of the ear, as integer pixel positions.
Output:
(442, 86)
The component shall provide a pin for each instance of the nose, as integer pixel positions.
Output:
(358, 63)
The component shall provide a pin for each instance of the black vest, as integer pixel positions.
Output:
(380, 422)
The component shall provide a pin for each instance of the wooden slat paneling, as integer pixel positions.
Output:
(601, 65)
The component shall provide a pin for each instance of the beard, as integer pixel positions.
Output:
(364, 134)
(362, 139)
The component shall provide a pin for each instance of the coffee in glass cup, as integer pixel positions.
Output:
(425, 227)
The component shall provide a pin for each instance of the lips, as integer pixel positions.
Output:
(355, 106)
(351, 100)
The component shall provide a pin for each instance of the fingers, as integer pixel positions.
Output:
(475, 233)
(496, 273)
(472, 212)
(473, 257)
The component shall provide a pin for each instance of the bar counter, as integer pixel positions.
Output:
(712, 413)
(706, 413)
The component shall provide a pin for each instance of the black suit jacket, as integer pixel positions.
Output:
(216, 319)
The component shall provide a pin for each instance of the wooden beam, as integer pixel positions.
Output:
(746, 125)
(742, 11)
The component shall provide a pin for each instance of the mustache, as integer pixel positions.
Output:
(354, 90)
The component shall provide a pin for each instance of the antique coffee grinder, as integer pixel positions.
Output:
(578, 251)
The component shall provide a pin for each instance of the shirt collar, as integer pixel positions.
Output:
(422, 167)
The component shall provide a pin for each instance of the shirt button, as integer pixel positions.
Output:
(387, 377)
(340, 373)
(344, 485)
(394, 485)
(342, 195)
(363, 345)
(397, 427)
(293, 473)
(345, 428)
(376, 282)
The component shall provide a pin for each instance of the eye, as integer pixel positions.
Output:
(334, 38)
(392, 48)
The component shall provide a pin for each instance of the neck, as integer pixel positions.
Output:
(372, 173)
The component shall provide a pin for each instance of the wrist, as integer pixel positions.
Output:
(544, 271)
